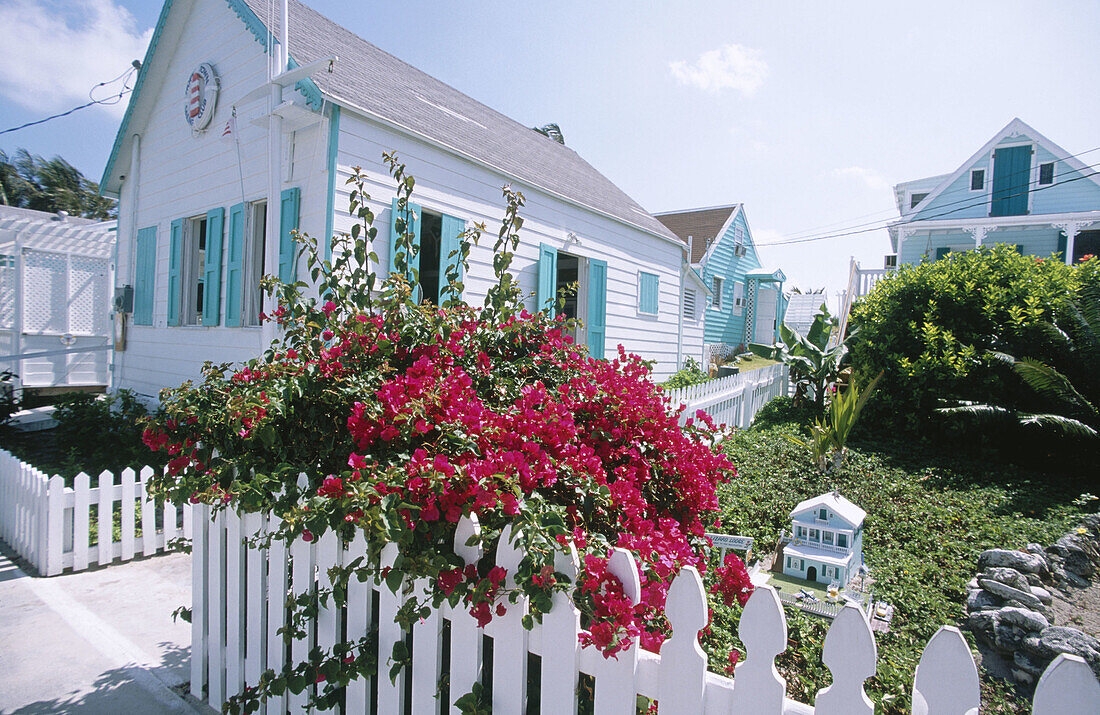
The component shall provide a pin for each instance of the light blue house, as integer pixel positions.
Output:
(746, 301)
(826, 540)
(1020, 189)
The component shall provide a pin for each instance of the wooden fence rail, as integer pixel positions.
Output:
(733, 400)
(239, 601)
(55, 527)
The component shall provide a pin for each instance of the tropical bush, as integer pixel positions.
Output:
(405, 418)
(930, 328)
(1064, 395)
(813, 362)
(690, 374)
(102, 432)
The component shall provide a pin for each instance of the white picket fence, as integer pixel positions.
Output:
(736, 399)
(239, 604)
(51, 525)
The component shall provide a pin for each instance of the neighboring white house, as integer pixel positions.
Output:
(55, 301)
(193, 216)
(826, 540)
(801, 310)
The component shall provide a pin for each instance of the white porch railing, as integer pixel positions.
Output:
(239, 601)
(52, 526)
(733, 400)
(860, 282)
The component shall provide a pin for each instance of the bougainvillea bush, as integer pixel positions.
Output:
(405, 417)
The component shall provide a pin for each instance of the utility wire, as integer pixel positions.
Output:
(801, 233)
(106, 101)
(883, 225)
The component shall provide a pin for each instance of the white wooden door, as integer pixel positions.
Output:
(766, 303)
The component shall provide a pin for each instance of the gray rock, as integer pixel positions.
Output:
(1019, 560)
(1042, 594)
(1007, 576)
(1012, 594)
(973, 584)
(1033, 579)
(1059, 639)
(980, 600)
(1023, 618)
(1076, 552)
(1021, 661)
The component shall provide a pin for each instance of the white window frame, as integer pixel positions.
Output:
(738, 298)
(815, 535)
(841, 535)
(717, 284)
(909, 198)
(253, 261)
(985, 180)
(828, 537)
(1053, 178)
(192, 271)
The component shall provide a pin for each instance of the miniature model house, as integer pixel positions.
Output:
(826, 540)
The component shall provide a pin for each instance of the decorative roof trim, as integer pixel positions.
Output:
(255, 25)
(124, 128)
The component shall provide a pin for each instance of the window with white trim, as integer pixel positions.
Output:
(977, 179)
(738, 298)
(192, 270)
(716, 288)
(255, 247)
(915, 199)
(1046, 173)
(842, 540)
(827, 537)
(814, 535)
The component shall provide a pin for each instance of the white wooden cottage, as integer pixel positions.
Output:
(826, 540)
(55, 302)
(194, 214)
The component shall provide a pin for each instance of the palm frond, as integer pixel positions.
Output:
(1066, 425)
(1050, 383)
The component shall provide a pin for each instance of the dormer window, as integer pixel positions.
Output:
(822, 514)
(1046, 173)
(915, 199)
(977, 179)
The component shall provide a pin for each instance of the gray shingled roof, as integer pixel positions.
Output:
(375, 81)
(703, 225)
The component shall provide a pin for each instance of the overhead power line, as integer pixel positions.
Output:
(107, 101)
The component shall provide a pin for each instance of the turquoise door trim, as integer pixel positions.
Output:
(288, 223)
(333, 145)
(212, 269)
(1011, 177)
(597, 307)
(449, 243)
(413, 213)
(234, 272)
(548, 279)
(175, 262)
(145, 272)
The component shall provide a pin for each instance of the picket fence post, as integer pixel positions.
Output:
(465, 635)
(946, 680)
(758, 687)
(615, 676)
(682, 685)
(81, 520)
(1067, 687)
(55, 524)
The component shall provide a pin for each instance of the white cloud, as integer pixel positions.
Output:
(868, 177)
(729, 67)
(55, 52)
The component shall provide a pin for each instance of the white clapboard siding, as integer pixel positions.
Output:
(50, 525)
(734, 400)
(946, 679)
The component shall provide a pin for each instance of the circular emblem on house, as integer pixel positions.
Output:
(201, 97)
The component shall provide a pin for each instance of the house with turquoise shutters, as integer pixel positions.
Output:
(1020, 189)
(746, 302)
(244, 126)
(826, 542)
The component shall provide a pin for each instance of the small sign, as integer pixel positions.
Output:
(726, 541)
(201, 97)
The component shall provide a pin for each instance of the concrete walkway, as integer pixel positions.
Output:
(99, 641)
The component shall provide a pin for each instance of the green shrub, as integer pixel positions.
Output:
(689, 374)
(102, 432)
(929, 328)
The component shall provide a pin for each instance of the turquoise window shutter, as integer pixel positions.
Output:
(449, 243)
(942, 252)
(597, 307)
(548, 279)
(145, 270)
(648, 293)
(1062, 244)
(212, 270)
(234, 272)
(175, 263)
(1011, 177)
(413, 217)
(288, 223)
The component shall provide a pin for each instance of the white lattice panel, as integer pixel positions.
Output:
(7, 293)
(45, 298)
(88, 295)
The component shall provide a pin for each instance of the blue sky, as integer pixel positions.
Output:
(806, 112)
